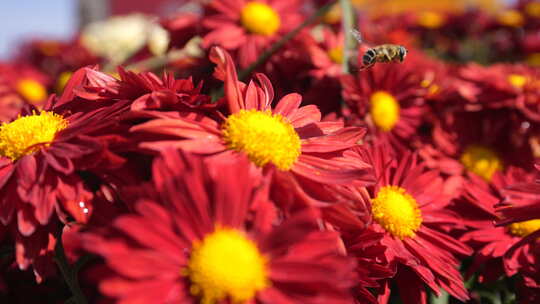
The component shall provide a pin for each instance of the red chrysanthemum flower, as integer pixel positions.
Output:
(324, 93)
(40, 154)
(528, 85)
(210, 240)
(326, 55)
(390, 99)
(249, 27)
(493, 242)
(145, 90)
(290, 138)
(497, 86)
(182, 27)
(520, 211)
(527, 295)
(26, 82)
(522, 201)
(522, 204)
(408, 206)
(352, 218)
(10, 102)
(482, 143)
(53, 57)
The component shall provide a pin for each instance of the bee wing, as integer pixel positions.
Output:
(357, 35)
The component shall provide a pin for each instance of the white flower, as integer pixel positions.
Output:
(119, 37)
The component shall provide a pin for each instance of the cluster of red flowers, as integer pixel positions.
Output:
(303, 184)
(510, 34)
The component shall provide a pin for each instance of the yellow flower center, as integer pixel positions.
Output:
(27, 134)
(260, 18)
(512, 18)
(533, 59)
(433, 88)
(481, 160)
(226, 265)
(264, 137)
(336, 55)
(431, 20)
(517, 80)
(384, 110)
(62, 81)
(533, 9)
(396, 211)
(523, 229)
(332, 16)
(31, 90)
(49, 48)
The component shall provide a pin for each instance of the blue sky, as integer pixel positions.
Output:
(35, 18)
(21, 19)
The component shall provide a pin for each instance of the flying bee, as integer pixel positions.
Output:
(381, 53)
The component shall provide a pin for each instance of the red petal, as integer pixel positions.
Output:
(179, 127)
(195, 146)
(305, 115)
(26, 223)
(328, 171)
(232, 85)
(288, 105)
(6, 170)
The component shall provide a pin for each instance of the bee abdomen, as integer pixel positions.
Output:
(368, 57)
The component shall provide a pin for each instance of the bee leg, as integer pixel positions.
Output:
(363, 67)
(386, 55)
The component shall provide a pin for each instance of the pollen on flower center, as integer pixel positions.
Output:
(259, 18)
(27, 134)
(62, 81)
(533, 9)
(481, 160)
(226, 265)
(431, 20)
(332, 16)
(336, 55)
(523, 229)
(432, 88)
(533, 59)
(516, 80)
(264, 137)
(31, 90)
(397, 212)
(384, 110)
(512, 18)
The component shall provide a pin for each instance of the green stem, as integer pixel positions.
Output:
(157, 62)
(190, 50)
(348, 22)
(279, 44)
(69, 274)
(442, 299)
